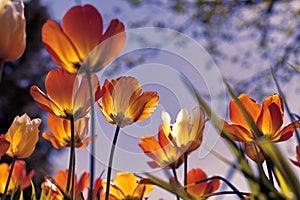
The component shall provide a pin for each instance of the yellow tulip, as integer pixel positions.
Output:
(23, 136)
(12, 32)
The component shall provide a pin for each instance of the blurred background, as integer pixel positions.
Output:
(244, 38)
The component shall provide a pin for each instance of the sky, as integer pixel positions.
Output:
(180, 55)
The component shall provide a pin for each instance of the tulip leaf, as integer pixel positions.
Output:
(33, 193)
(283, 171)
(296, 67)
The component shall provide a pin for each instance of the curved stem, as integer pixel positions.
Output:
(225, 192)
(185, 168)
(111, 157)
(176, 179)
(9, 177)
(71, 174)
(234, 189)
(92, 158)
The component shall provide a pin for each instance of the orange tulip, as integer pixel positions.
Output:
(23, 135)
(124, 103)
(268, 118)
(61, 132)
(297, 161)
(4, 145)
(82, 35)
(65, 97)
(196, 175)
(186, 132)
(128, 186)
(12, 32)
(60, 182)
(163, 153)
(19, 178)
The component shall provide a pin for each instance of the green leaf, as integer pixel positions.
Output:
(33, 193)
(284, 173)
(296, 67)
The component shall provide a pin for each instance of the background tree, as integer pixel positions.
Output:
(246, 37)
(17, 78)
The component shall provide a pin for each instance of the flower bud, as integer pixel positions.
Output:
(12, 32)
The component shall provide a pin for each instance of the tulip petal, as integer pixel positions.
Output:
(253, 151)
(4, 145)
(270, 118)
(83, 25)
(193, 176)
(44, 102)
(251, 106)
(126, 182)
(285, 133)
(61, 87)
(143, 106)
(60, 47)
(238, 133)
(82, 183)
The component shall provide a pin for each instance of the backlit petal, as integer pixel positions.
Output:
(83, 25)
(112, 43)
(45, 103)
(60, 87)
(271, 116)
(143, 106)
(126, 182)
(251, 106)
(285, 133)
(238, 133)
(59, 46)
(193, 176)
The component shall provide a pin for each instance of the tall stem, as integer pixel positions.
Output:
(185, 169)
(1, 68)
(111, 157)
(92, 158)
(176, 179)
(9, 177)
(71, 174)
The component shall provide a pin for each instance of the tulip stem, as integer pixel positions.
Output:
(71, 174)
(111, 156)
(92, 158)
(185, 168)
(9, 177)
(176, 179)
(1, 68)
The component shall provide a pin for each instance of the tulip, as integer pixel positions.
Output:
(23, 136)
(12, 32)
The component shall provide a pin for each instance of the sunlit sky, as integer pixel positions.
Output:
(160, 73)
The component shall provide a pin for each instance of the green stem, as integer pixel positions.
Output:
(9, 177)
(71, 174)
(92, 158)
(111, 156)
(225, 192)
(185, 168)
(176, 179)
(1, 68)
